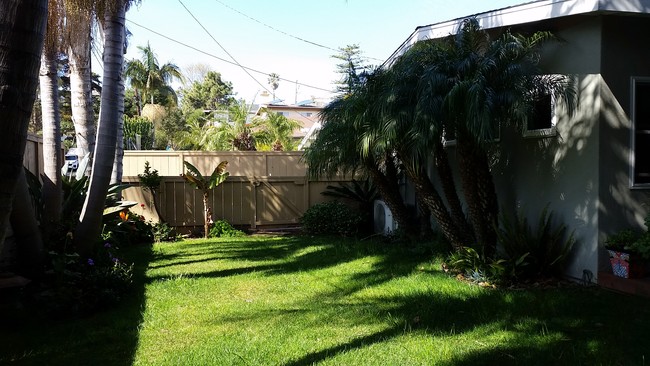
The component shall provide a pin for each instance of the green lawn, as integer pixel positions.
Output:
(303, 301)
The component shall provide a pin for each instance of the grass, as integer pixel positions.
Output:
(303, 301)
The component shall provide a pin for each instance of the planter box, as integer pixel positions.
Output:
(626, 265)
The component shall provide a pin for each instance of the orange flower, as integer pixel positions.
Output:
(124, 216)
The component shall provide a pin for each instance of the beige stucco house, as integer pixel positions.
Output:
(592, 168)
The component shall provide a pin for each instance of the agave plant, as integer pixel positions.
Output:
(194, 177)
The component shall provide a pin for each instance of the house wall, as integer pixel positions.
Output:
(561, 171)
(626, 54)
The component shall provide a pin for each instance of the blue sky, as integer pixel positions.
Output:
(377, 26)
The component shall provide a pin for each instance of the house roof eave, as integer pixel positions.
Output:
(520, 14)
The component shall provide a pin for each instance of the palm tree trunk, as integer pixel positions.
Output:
(29, 243)
(52, 186)
(429, 195)
(479, 191)
(389, 192)
(21, 41)
(89, 227)
(206, 214)
(116, 175)
(81, 100)
(450, 191)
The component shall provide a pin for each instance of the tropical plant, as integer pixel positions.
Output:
(150, 181)
(194, 177)
(342, 146)
(538, 252)
(277, 130)
(237, 130)
(147, 77)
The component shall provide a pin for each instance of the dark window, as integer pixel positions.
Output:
(542, 115)
(641, 132)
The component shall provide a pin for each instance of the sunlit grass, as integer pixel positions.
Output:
(303, 301)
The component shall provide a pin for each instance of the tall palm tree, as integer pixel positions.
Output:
(277, 130)
(112, 16)
(21, 41)
(51, 116)
(78, 31)
(148, 77)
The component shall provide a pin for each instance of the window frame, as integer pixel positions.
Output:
(633, 131)
(545, 132)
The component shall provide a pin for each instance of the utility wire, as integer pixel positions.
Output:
(222, 48)
(285, 33)
(222, 59)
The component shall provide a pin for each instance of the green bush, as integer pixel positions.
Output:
(532, 254)
(474, 266)
(223, 229)
(331, 218)
(163, 232)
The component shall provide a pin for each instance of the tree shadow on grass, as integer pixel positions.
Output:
(292, 255)
(107, 337)
(543, 327)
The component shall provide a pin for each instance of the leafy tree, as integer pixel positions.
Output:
(139, 126)
(148, 78)
(150, 181)
(211, 93)
(351, 68)
(194, 177)
(237, 131)
(277, 130)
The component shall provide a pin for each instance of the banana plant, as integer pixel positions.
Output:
(194, 177)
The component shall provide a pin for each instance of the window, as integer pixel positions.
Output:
(306, 114)
(541, 122)
(640, 164)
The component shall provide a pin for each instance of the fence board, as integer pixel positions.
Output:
(264, 188)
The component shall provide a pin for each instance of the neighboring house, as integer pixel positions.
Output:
(306, 112)
(593, 168)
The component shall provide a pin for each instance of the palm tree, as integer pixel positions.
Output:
(476, 87)
(339, 149)
(49, 85)
(194, 177)
(238, 131)
(78, 31)
(112, 15)
(274, 82)
(277, 130)
(21, 41)
(147, 77)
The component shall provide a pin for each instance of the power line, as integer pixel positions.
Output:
(220, 58)
(222, 48)
(285, 33)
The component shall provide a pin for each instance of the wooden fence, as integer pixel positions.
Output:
(33, 158)
(265, 189)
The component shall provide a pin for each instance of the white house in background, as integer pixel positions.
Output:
(592, 168)
(307, 113)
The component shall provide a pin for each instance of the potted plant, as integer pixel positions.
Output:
(629, 252)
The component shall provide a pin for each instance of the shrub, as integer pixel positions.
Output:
(472, 265)
(223, 229)
(163, 232)
(530, 254)
(331, 218)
